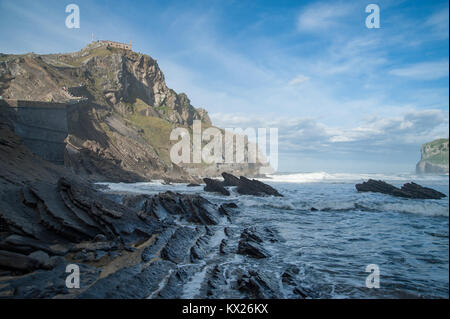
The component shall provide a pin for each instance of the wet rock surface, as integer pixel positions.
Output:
(408, 190)
(244, 186)
(255, 187)
(252, 239)
(414, 190)
(259, 285)
(167, 245)
(215, 186)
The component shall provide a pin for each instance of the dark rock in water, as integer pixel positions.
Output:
(223, 247)
(300, 292)
(260, 234)
(252, 234)
(376, 187)
(230, 180)
(252, 238)
(417, 191)
(199, 250)
(215, 186)
(247, 186)
(199, 210)
(288, 276)
(252, 249)
(193, 185)
(244, 185)
(216, 282)
(258, 284)
(408, 190)
(313, 209)
(229, 231)
(255, 188)
(230, 205)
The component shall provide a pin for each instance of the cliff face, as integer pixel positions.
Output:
(121, 130)
(118, 78)
(434, 159)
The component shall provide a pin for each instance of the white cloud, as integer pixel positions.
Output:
(299, 79)
(423, 71)
(321, 16)
(375, 134)
(439, 23)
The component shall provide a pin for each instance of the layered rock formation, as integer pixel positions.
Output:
(434, 157)
(120, 131)
(244, 186)
(125, 245)
(408, 190)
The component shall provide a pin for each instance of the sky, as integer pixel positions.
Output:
(345, 98)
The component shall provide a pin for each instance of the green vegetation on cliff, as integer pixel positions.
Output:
(436, 151)
(434, 157)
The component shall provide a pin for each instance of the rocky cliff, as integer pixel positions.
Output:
(434, 159)
(125, 245)
(121, 130)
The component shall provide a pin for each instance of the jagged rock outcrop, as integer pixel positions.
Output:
(191, 208)
(259, 284)
(215, 186)
(434, 157)
(252, 238)
(244, 186)
(256, 188)
(408, 190)
(230, 180)
(413, 190)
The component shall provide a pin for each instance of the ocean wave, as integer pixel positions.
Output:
(426, 209)
(317, 177)
(306, 198)
(139, 188)
(403, 206)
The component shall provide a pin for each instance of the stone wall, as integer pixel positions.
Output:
(116, 44)
(41, 125)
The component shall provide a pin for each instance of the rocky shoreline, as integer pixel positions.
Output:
(167, 245)
(127, 246)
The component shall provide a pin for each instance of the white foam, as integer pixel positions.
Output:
(424, 208)
(317, 177)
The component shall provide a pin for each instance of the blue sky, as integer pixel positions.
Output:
(344, 98)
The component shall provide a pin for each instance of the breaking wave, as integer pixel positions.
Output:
(317, 177)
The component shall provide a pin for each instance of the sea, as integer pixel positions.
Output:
(336, 235)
